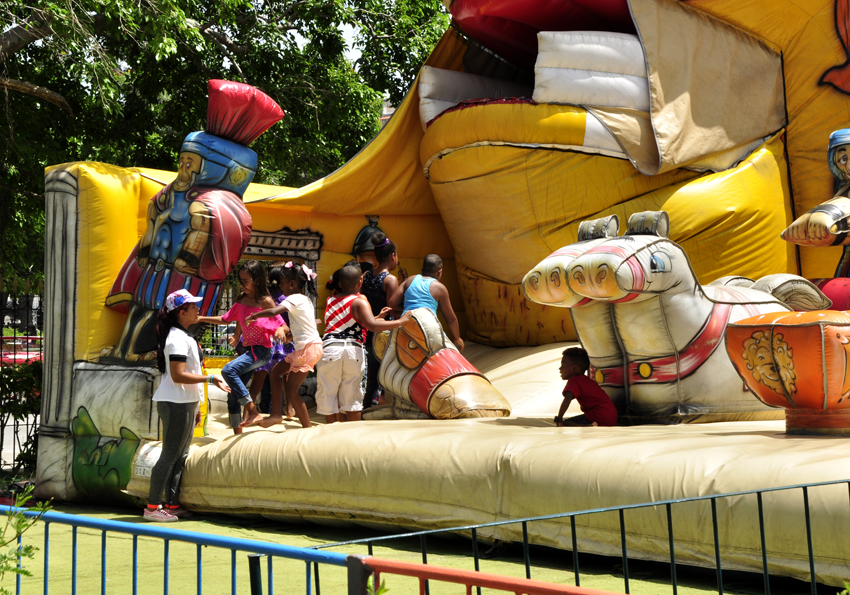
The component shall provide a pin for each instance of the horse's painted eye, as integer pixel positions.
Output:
(660, 263)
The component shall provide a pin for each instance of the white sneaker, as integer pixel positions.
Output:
(160, 515)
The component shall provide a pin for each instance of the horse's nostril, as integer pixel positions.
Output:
(533, 282)
(600, 276)
(579, 277)
(555, 278)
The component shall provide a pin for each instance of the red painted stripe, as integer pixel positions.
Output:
(438, 368)
(666, 369)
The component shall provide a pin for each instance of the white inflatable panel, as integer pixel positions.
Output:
(441, 89)
(615, 53)
(595, 69)
(597, 136)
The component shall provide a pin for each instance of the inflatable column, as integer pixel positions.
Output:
(99, 347)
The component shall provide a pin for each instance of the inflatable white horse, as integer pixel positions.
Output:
(651, 331)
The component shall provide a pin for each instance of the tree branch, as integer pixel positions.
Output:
(20, 36)
(220, 39)
(36, 91)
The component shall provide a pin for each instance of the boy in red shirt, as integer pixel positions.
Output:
(597, 407)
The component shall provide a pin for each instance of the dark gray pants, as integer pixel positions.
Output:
(178, 423)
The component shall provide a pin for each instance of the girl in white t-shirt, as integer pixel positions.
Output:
(177, 401)
(308, 343)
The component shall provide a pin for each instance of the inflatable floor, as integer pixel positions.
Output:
(428, 474)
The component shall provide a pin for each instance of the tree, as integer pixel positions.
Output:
(123, 82)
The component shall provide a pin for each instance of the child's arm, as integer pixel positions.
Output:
(396, 302)
(213, 320)
(179, 375)
(390, 286)
(362, 313)
(445, 303)
(233, 339)
(568, 398)
(283, 334)
(269, 312)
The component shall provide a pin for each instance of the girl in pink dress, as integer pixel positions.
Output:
(256, 338)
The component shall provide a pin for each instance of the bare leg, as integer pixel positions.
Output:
(277, 372)
(276, 382)
(293, 383)
(257, 382)
(352, 415)
(333, 418)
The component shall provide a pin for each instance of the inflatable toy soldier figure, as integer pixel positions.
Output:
(827, 223)
(197, 226)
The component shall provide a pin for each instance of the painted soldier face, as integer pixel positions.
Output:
(189, 164)
(842, 160)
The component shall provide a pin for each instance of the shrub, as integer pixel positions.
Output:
(20, 401)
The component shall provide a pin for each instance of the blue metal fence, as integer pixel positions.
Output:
(169, 535)
(355, 564)
(668, 504)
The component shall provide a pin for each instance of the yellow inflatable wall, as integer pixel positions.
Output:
(492, 190)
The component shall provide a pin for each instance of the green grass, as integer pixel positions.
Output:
(598, 572)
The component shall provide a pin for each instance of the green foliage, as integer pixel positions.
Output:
(20, 400)
(16, 525)
(132, 76)
(395, 38)
(370, 587)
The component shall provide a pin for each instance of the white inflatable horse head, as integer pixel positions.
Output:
(547, 282)
(634, 267)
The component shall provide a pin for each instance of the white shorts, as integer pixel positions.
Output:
(340, 375)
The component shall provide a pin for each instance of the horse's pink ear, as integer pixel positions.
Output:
(595, 229)
(649, 223)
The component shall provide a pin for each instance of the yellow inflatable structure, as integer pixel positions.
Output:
(727, 133)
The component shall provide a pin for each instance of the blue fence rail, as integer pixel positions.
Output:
(168, 535)
(667, 504)
(356, 569)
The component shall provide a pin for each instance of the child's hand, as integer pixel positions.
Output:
(251, 317)
(220, 383)
(232, 340)
(404, 317)
(383, 313)
(281, 333)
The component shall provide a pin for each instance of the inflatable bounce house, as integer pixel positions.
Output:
(534, 135)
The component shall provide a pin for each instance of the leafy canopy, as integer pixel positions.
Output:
(123, 82)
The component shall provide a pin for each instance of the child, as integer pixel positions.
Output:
(333, 282)
(181, 391)
(279, 352)
(308, 344)
(425, 290)
(596, 406)
(256, 339)
(341, 369)
(378, 287)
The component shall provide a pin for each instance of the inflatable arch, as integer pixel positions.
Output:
(730, 142)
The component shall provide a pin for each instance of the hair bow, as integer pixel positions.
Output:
(307, 270)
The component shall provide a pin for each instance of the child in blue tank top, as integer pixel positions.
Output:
(426, 291)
